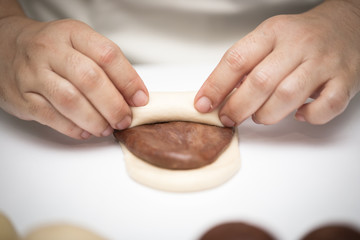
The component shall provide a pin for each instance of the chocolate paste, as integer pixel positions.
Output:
(176, 145)
(236, 231)
(333, 232)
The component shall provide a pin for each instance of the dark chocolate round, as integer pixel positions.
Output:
(176, 145)
(333, 232)
(236, 231)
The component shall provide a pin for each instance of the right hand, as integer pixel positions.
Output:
(65, 75)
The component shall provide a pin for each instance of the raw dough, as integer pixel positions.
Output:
(179, 106)
(62, 232)
(172, 106)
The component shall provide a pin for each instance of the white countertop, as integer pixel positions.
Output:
(294, 176)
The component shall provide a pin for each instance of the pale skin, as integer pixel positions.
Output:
(285, 61)
(65, 75)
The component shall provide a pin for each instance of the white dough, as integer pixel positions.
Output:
(172, 106)
(178, 106)
(62, 231)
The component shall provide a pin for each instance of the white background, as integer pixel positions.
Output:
(294, 177)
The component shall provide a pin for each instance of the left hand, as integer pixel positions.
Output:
(286, 60)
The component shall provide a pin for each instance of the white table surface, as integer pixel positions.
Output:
(294, 176)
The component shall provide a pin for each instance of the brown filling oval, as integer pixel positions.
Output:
(236, 230)
(176, 145)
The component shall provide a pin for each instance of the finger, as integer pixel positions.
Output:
(72, 104)
(111, 59)
(258, 86)
(43, 112)
(332, 101)
(291, 93)
(239, 60)
(94, 84)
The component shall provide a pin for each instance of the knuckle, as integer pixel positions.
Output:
(88, 74)
(333, 104)
(90, 78)
(235, 59)
(337, 101)
(109, 52)
(261, 81)
(68, 98)
(40, 42)
(285, 93)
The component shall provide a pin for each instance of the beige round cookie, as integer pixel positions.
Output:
(62, 232)
(7, 230)
(178, 106)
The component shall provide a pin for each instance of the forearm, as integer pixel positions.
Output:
(10, 8)
(341, 13)
(12, 21)
(355, 3)
(352, 5)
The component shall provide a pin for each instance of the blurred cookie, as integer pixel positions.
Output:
(7, 230)
(333, 232)
(236, 231)
(62, 232)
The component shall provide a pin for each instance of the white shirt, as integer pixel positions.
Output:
(166, 31)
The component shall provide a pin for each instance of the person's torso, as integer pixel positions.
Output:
(164, 31)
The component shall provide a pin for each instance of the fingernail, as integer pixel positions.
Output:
(203, 105)
(125, 123)
(300, 117)
(107, 131)
(140, 98)
(227, 121)
(85, 135)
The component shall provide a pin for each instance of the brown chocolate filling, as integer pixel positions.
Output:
(176, 145)
(236, 230)
(333, 232)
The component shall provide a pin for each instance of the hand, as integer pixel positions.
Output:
(65, 75)
(286, 60)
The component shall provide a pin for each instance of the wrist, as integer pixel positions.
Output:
(10, 8)
(345, 12)
(351, 5)
(14, 22)
(12, 27)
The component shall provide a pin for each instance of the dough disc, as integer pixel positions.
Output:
(178, 106)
